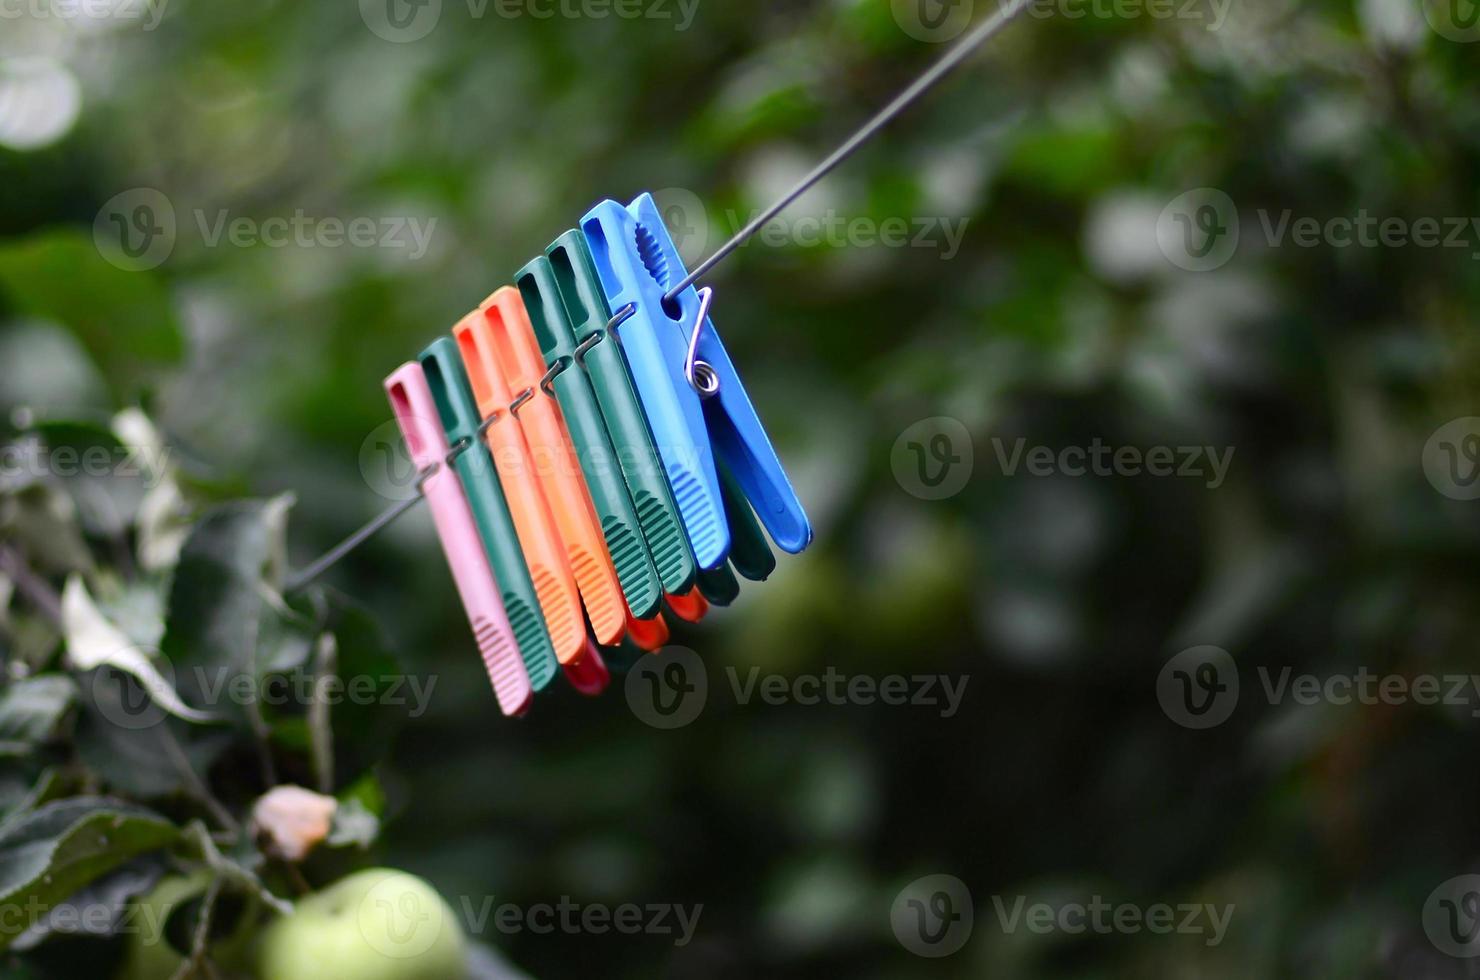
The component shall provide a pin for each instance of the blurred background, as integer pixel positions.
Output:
(1103, 250)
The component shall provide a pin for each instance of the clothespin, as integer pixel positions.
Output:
(448, 382)
(750, 555)
(691, 607)
(590, 674)
(719, 586)
(505, 333)
(626, 424)
(588, 436)
(648, 634)
(694, 400)
(411, 401)
(544, 554)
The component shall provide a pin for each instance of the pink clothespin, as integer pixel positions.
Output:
(416, 413)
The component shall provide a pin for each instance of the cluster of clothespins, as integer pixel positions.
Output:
(590, 456)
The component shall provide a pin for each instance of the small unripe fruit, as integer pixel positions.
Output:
(380, 924)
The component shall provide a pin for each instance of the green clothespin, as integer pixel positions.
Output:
(626, 425)
(588, 436)
(459, 415)
(750, 552)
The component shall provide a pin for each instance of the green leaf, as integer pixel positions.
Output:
(51, 853)
(225, 585)
(93, 642)
(19, 792)
(124, 319)
(101, 908)
(364, 726)
(31, 709)
(96, 471)
(134, 758)
(42, 520)
(354, 825)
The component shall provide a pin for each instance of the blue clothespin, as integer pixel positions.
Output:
(695, 402)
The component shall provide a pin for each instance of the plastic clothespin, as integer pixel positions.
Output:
(750, 554)
(585, 305)
(648, 634)
(633, 270)
(544, 555)
(626, 424)
(448, 382)
(637, 261)
(411, 401)
(719, 586)
(691, 607)
(588, 435)
(508, 335)
(590, 674)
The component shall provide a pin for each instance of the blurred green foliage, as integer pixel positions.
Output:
(1325, 369)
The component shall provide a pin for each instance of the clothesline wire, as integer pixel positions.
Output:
(947, 63)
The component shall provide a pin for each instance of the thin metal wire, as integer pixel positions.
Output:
(382, 520)
(949, 62)
(694, 369)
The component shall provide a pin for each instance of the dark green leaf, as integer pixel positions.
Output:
(101, 908)
(52, 852)
(124, 319)
(31, 709)
(227, 573)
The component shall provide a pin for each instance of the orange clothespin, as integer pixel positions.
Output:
(554, 583)
(505, 331)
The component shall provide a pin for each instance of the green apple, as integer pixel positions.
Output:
(150, 956)
(380, 924)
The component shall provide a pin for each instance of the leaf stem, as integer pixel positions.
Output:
(35, 588)
(197, 786)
